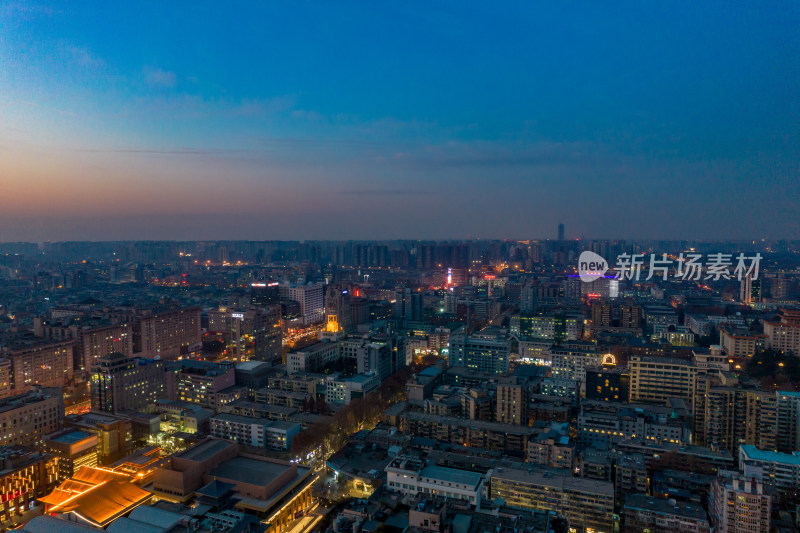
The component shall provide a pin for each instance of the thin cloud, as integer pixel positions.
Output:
(177, 151)
(156, 77)
(83, 57)
(382, 192)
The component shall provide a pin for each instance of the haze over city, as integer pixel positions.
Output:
(360, 121)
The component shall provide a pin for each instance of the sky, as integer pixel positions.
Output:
(384, 120)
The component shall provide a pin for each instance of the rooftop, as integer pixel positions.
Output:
(247, 470)
(463, 477)
(72, 437)
(205, 450)
(748, 451)
(665, 507)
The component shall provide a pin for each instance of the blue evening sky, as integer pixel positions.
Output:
(303, 120)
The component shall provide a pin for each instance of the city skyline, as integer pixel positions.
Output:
(337, 122)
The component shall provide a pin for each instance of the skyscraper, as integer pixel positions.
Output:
(561, 232)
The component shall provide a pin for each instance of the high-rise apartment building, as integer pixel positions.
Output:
(337, 309)
(310, 299)
(199, 382)
(485, 353)
(167, 334)
(268, 334)
(512, 400)
(657, 379)
(26, 418)
(120, 382)
(255, 333)
(788, 425)
(96, 343)
(784, 335)
(739, 506)
(48, 364)
(588, 504)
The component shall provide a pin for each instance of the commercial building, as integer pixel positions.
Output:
(121, 382)
(274, 491)
(26, 474)
(268, 335)
(611, 384)
(74, 449)
(588, 504)
(739, 506)
(114, 433)
(26, 418)
(95, 497)
(251, 334)
(310, 299)
(200, 382)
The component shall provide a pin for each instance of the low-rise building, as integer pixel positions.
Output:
(341, 390)
(410, 475)
(588, 504)
(255, 432)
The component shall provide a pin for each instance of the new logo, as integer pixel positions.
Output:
(591, 266)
